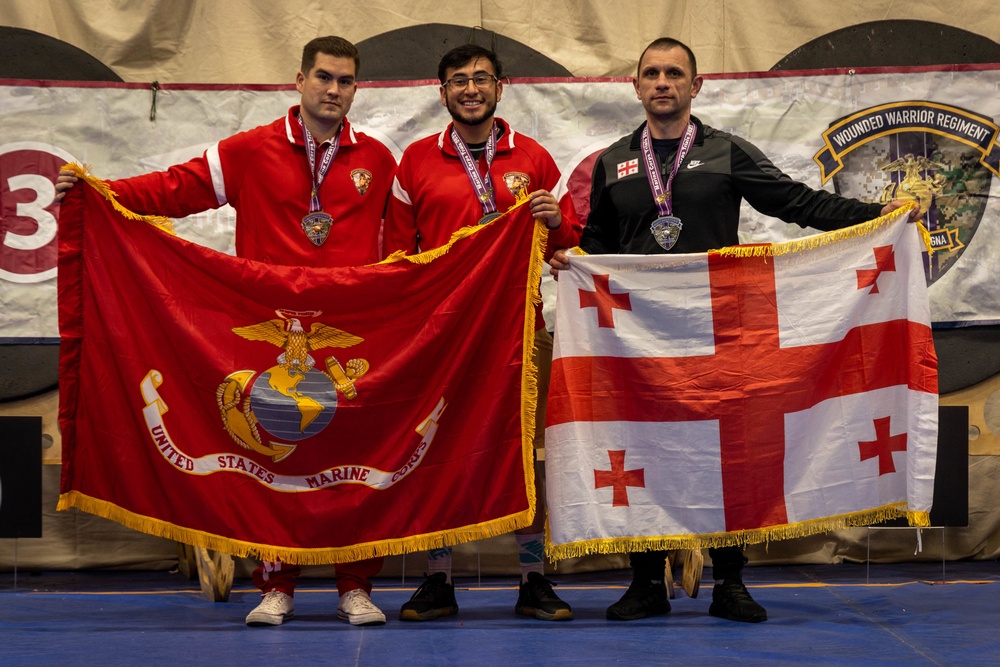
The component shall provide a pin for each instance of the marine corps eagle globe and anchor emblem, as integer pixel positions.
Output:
(292, 400)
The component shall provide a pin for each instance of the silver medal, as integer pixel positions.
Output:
(666, 231)
(317, 225)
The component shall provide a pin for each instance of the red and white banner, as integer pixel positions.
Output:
(311, 415)
(922, 134)
(734, 397)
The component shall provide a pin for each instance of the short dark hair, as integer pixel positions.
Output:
(461, 55)
(664, 43)
(331, 45)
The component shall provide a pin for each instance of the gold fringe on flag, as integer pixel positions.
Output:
(826, 238)
(102, 187)
(333, 555)
(428, 256)
(610, 545)
(529, 370)
(389, 547)
(917, 519)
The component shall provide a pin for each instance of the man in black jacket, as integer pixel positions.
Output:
(675, 185)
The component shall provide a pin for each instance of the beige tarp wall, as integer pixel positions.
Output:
(259, 41)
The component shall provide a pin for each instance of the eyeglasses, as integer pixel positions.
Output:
(462, 82)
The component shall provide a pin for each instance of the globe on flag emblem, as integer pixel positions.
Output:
(292, 405)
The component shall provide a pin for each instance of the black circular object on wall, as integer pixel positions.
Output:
(25, 54)
(892, 44)
(29, 370)
(425, 44)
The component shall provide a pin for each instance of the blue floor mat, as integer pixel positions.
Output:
(900, 614)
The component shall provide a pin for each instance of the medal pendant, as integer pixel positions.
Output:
(666, 231)
(317, 225)
(489, 217)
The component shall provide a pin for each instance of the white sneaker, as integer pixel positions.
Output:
(358, 609)
(274, 609)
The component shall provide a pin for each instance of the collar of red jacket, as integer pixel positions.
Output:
(293, 130)
(504, 143)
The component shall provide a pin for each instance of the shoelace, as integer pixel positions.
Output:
(543, 587)
(362, 601)
(424, 588)
(272, 601)
(736, 592)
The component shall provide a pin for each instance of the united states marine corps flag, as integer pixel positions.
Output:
(754, 393)
(307, 415)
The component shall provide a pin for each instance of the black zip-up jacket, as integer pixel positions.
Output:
(719, 171)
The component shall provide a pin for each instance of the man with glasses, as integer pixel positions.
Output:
(471, 173)
(689, 202)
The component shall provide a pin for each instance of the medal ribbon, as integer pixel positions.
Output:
(324, 165)
(482, 186)
(663, 196)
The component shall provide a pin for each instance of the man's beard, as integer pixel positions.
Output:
(487, 113)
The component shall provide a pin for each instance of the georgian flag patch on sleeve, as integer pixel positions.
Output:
(628, 168)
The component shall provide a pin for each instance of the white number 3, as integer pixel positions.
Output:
(45, 193)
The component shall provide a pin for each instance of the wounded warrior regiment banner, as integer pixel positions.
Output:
(754, 393)
(927, 135)
(311, 415)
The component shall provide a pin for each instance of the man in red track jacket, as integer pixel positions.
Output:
(473, 171)
(308, 191)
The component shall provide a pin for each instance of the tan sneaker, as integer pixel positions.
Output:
(274, 609)
(358, 609)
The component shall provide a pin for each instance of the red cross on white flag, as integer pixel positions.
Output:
(618, 478)
(761, 396)
(605, 302)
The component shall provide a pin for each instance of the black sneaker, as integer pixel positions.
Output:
(731, 600)
(435, 597)
(537, 599)
(642, 599)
